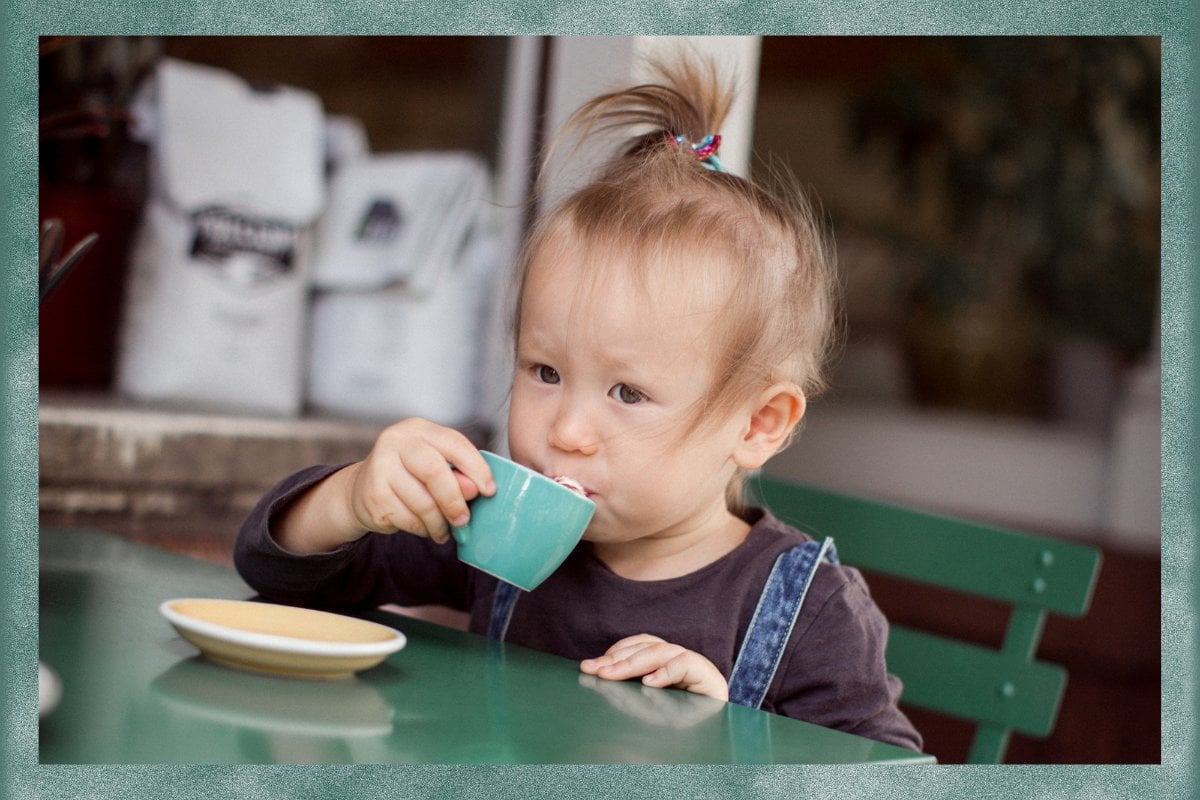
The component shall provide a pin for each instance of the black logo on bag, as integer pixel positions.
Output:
(381, 223)
(220, 232)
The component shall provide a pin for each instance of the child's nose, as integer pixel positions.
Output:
(570, 430)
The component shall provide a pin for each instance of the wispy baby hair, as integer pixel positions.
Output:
(759, 251)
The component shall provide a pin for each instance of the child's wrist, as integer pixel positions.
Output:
(338, 505)
(321, 519)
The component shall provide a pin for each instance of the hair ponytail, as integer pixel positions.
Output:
(690, 103)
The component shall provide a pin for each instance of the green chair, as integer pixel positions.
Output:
(1002, 690)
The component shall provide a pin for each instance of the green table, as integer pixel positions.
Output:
(134, 692)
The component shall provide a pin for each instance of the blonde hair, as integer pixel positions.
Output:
(655, 203)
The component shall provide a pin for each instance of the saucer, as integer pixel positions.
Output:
(281, 640)
(49, 689)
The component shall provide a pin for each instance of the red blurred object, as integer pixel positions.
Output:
(78, 324)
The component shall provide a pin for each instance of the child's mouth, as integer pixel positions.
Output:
(572, 484)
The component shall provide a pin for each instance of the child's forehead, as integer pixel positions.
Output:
(668, 279)
(615, 304)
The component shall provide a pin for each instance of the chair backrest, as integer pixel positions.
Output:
(1002, 690)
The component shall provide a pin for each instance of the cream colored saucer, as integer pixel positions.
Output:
(282, 640)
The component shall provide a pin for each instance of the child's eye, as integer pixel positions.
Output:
(546, 374)
(626, 394)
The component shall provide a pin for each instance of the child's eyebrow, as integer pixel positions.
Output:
(530, 337)
(617, 360)
(536, 342)
(621, 364)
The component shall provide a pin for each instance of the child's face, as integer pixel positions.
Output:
(605, 391)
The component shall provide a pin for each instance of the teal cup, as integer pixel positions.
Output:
(523, 532)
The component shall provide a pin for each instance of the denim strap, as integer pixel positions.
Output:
(502, 608)
(771, 625)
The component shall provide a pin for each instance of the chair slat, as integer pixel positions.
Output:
(956, 554)
(1024, 632)
(989, 745)
(967, 680)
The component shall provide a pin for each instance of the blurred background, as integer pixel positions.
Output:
(282, 246)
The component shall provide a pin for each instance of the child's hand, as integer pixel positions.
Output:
(660, 664)
(407, 483)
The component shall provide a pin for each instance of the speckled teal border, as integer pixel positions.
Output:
(23, 20)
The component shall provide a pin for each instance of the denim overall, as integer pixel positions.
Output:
(770, 627)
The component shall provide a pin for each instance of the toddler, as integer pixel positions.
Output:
(671, 322)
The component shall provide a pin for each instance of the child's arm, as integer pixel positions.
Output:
(660, 664)
(366, 573)
(405, 484)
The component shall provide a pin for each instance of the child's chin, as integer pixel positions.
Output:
(595, 533)
(602, 535)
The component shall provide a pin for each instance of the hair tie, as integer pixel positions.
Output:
(705, 150)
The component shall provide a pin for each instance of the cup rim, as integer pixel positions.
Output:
(539, 476)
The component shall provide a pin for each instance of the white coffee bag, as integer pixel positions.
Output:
(216, 304)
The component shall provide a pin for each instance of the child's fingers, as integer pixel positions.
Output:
(456, 448)
(691, 671)
(658, 663)
(453, 470)
(467, 486)
(471, 465)
(376, 502)
(638, 640)
(590, 666)
(409, 482)
(439, 484)
(416, 438)
(637, 660)
(618, 651)
(417, 511)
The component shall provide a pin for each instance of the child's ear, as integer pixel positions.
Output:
(773, 416)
